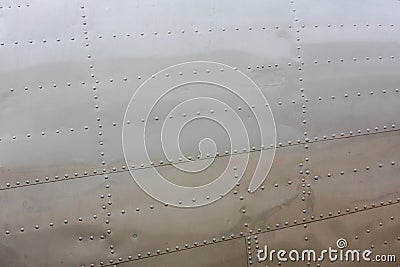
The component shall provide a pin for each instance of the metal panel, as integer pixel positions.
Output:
(142, 226)
(68, 71)
(272, 69)
(359, 171)
(44, 225)
(46, 102)
(349, 78)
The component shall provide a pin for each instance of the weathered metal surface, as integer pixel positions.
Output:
(313, 85)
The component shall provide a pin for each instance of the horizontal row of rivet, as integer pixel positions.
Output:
(342, 172)
(346, 95)
(125, 79)
(14, 6)
(139, 77)
(46, 133)
(359, 132)
(152, 164)
(44, 41)
(354, 59)
(349, 25)
(52, 224)
(209, 30)
(375, 59)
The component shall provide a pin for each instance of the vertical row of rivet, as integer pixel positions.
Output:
(304, 169)
(105, 201)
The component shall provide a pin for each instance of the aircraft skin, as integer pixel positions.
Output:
(196, 133)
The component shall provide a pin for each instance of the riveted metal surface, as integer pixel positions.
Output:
(37, 150)
(362, 88)
(272, 69)
(231, 253)
(36, 57)
(359, 171)
(375, 229)
(68, 71)
(350, 65)
(43, 81)
(44, 225)
(276, 85)
(138, 232)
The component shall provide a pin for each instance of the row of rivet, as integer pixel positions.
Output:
(106, 206)
(52, 225)
(302, 165)
(30, 135)
(125, 79)
(280, 144)
(139, 77)
(15, 6)
(354, 170)
(306, 142)
(370, 93)
(354, 59)
(354, 25)
(346, 95)
(209, 30)
(306, 186)
(236, 29)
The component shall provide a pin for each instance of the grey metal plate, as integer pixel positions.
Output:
(357, 171)
(45, 97)
(142, 226)
(350, 69)
(44, 225)
(70, 69)
(124, 69)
